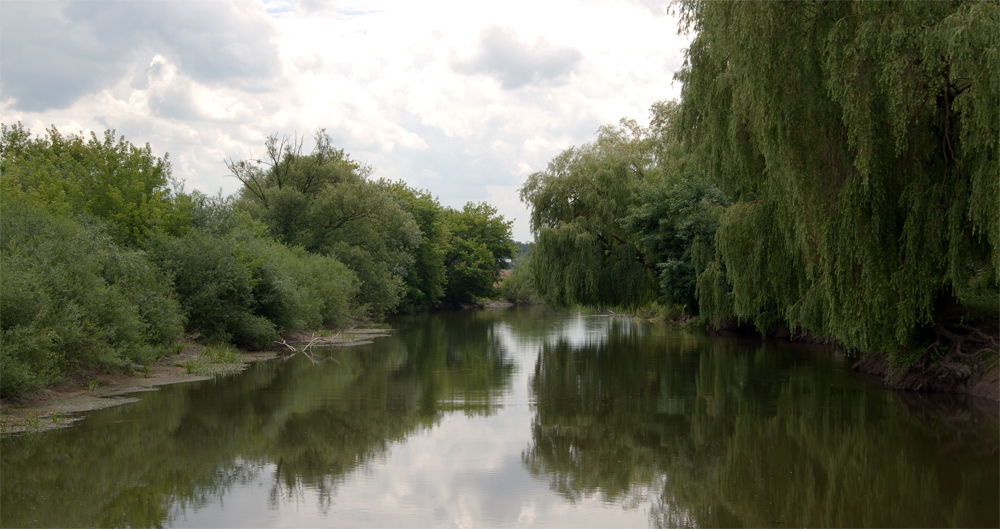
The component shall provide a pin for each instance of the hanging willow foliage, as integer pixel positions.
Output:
(861, 139)
(583, 254)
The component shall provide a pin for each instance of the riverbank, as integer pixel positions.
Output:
(57, 406)
(968, 375)
(974, 372)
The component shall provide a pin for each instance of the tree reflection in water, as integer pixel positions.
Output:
(716, 433)
(692, 430)
(185, 447)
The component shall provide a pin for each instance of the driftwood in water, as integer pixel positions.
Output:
(305, 350)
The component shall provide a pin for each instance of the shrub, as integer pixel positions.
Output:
(519, 287)
(214, 287)
(71, 298)
(238, 284)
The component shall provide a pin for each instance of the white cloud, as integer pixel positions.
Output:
(502, 54)
(462, 99)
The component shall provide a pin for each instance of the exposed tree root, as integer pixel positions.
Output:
(955, 361)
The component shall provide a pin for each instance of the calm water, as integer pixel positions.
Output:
(518, 418)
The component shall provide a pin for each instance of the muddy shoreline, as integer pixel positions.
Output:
(963, 375)
(967, 374)
(58, 406)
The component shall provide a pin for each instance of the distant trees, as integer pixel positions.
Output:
(325, 203)
(106, 261)
(519, 286)
(583, 253)
(479, 248)
(615, 220)
(426, 279)
(404, 247)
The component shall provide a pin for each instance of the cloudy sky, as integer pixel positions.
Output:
(463, 99)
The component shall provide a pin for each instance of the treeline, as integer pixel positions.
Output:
(107, 262)
(831, 168)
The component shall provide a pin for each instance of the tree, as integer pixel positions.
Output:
(860, 141)
(325, 202)
(479, 248)
(238, 284)
(426, 280)
(675, 220)
(113, 180)
(583, 253)
(73, 299)
(519, 286)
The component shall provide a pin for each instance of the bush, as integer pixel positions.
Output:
(215, 288)
(519, 287)
(326, 289)
(239, 285)
(125, 185)
(71, 299)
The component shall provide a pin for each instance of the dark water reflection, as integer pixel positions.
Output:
(519, 417)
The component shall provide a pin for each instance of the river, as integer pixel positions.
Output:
(519, 417)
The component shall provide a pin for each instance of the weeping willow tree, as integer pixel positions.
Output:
(583, 253)
(860, 139)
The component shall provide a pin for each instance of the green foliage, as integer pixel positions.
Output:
(519, 286)
(470, 271)
(325, 203)
(583, 252)
(237, 284)
(71, 298)
(324, 288)
(215, 287)
(672, 217)
(74, 297)
(715, 298)
(478, 249)
(426, 280)
(113, 180)
(481, 224)
(860, 139)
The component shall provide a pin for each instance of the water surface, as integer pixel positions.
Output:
(521, 417)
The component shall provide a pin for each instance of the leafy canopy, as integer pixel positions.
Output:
(860, 139)
(479, 248)
(325, 202)
(110, 179)
(583, 254)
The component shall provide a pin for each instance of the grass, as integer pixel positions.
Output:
(222, 354)
(215, 359)
(659, 312)
(33, 422)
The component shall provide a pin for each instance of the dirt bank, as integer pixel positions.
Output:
(954, 374)
(942, 368)
(55, 407)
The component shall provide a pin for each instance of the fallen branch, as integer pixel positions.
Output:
(305, 350)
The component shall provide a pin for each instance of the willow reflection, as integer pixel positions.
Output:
(719, 434)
